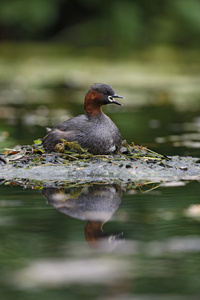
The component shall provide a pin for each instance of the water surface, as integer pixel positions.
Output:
(99, 241)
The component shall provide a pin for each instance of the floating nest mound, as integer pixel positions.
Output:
(71, 163)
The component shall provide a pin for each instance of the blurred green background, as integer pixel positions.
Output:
(51, 51)
(114, 24)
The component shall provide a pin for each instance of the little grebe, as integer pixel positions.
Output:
(94, 131)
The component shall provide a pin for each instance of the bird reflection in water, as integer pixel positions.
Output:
(96, 204)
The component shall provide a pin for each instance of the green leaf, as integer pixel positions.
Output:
(36, 142)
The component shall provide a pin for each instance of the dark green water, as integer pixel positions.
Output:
(149, 245)
(149, 248)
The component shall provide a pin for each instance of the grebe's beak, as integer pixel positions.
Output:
(112, 100)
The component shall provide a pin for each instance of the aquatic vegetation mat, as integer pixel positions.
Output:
(74, 164)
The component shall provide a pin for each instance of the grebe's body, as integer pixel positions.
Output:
(94, 130)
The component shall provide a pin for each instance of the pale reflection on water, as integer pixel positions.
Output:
(73, 271)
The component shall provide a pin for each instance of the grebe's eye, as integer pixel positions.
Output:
(110, 98)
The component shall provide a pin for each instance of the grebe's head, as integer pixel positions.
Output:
(99, 94)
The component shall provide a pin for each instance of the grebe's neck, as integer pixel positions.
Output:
(93, 103)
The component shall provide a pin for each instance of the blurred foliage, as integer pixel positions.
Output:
(22, 19)
(114, 23)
